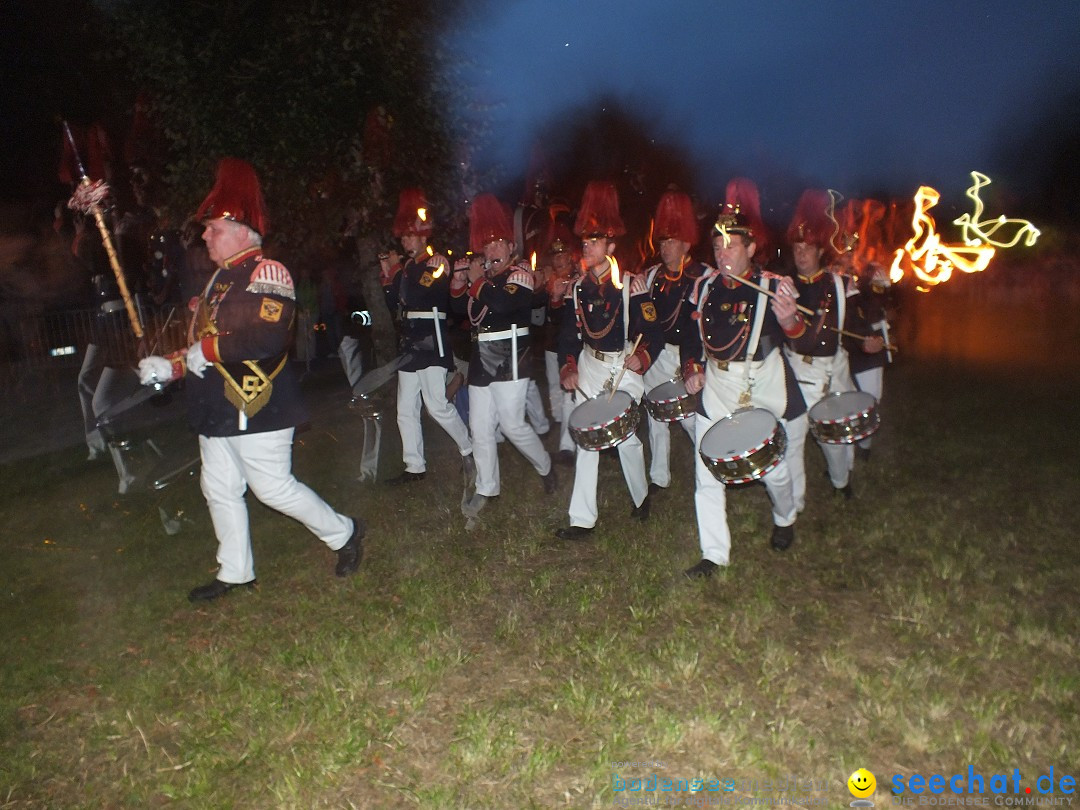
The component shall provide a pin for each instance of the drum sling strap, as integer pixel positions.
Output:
(746, 397)
(626, 322)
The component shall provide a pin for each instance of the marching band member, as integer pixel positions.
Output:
(734, 359)
(868, 368)
(497, 296)
(421, 291)
(565, 270)
(243, 396)
(669, 283)
(607, 317)
(863, 246)
(817, 354)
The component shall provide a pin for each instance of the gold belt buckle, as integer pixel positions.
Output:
(599, 355)
(721, 364)
(808, 359)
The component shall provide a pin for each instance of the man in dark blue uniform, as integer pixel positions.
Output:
(497, 297)
(243, 398)
(599, 348)
(669, 283)
(420, 292)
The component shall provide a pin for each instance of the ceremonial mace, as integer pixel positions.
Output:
(87, 198)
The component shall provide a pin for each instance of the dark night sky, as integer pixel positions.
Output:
(846, 94)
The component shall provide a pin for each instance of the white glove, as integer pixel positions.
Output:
(155, 370)
(196, 361)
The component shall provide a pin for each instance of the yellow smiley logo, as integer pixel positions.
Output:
(862, 783)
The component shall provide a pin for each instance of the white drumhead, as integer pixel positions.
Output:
(734, 435)
(667, 391)
(599, 411)
(841, 406)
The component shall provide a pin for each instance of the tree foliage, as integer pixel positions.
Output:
(338, 105)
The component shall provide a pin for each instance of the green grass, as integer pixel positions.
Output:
(928, 624)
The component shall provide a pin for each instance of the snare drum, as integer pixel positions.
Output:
(669, 402)
(744, 446)
(844, 417)
(597, 424)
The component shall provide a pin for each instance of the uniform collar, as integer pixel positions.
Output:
(242, 256)
(813, 278)
(731, 284)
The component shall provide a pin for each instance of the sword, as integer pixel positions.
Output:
(378, 377)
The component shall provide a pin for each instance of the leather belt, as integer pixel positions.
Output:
(430, 316)
(505, 334)
(599, 355)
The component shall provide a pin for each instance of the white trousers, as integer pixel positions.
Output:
(665, 368)
(872, 381)
(263, 462)
(592, 374)
(100, 387)
(428, 384)
(501, 405)
(562, 402)
(534, 408)
(834, 373)
(710, 495)
(351, 361)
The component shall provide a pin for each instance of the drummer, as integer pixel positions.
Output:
(736, 324)
(609, 316)
(669, 283)
(817, 353)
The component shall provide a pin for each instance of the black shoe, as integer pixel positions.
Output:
(551, 482)
(573, 532)
(406, 478)
(567, 457)
(782, 537)
(475, 505)
(350, 554)
(641, 512)
(216, 589)
(703, 570)
(862, 453)
(846, 491)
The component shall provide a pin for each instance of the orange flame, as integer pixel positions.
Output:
(431, 253)
(616, 278)
(532, 261)
(931, 260)
(421, 214)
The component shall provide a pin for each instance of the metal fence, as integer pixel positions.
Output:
(34, 341)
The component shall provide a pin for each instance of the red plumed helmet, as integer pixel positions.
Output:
(488, 220)
(741, 212)
(413, 214)
(599, 212)
(675, 218)
(558, 238)
(812, 222)
(236, 196)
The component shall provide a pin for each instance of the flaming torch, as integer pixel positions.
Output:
(88, 198)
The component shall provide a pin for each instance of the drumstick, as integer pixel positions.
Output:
(805, 310)
(622, 370)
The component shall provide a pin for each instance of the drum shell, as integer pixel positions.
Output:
(755, 462)
(860, 417)
(669, 402)
(597, 424)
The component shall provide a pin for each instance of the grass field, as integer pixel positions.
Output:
(926, 626)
